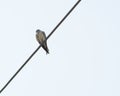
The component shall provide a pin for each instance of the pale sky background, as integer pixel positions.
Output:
(84, 57)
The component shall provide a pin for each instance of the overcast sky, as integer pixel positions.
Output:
(84, 57)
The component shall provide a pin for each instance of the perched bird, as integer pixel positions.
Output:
(41, 37)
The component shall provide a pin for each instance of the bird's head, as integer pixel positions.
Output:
(38, 30)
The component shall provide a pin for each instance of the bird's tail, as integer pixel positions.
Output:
(46, 49)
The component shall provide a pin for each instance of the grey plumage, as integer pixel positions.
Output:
(40, 36)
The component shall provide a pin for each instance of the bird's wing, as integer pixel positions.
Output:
(44, 34)
(44, 37)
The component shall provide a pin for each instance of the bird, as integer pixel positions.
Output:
(41, 37)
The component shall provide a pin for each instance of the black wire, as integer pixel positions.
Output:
(39, 46)
(63, 18)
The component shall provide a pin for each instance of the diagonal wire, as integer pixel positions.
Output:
(39, 46)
